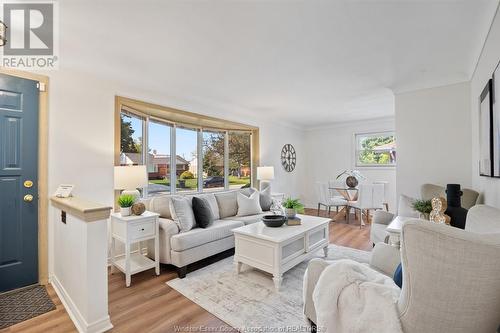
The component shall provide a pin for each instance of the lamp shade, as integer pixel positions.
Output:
(265, 173)
(130, 177)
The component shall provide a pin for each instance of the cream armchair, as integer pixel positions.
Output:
(450, 276)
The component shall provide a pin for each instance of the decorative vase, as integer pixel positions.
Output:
(125, 211)
(351, 181)
(424, 216)
(455, 210)
(138, 208)
(291, 213)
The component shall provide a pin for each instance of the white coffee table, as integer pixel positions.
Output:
(276, 250)
(394, 229)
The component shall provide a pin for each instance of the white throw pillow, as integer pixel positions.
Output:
(248, 205)
(182, 213)
(405, 207)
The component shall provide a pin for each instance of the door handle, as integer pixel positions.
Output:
(28, 198)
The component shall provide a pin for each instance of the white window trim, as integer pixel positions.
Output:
(356, 151)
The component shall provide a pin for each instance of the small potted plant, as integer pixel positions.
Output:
(292, 207)
(125, 201)
(424, 207)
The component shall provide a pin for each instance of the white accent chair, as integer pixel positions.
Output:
(370, 196)
(381, 219)
(450, 276)
(325, 198)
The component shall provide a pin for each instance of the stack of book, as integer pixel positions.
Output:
(295, 221)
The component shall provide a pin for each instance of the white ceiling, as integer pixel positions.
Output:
(304, 62)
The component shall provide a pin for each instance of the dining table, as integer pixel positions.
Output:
(350, 194)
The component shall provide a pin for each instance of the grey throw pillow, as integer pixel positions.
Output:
(202, 212)
(182, 213)
(266, 200)
(248, 205)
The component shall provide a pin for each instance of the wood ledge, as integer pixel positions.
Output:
(87, 211)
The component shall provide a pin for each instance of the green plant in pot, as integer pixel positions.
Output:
(292, 207)
(125, 201)
(424, 207)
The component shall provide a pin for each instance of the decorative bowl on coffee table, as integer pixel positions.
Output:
(274, 221)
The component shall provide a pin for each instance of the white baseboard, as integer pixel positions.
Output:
(81, 324)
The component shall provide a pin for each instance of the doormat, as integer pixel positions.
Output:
(20, 305)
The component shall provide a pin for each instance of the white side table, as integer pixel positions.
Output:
(130, 230)
(394, 229)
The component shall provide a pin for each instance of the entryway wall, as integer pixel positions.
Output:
(331, 150)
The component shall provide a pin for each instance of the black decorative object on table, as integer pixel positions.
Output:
(455, 210)
(274, 221)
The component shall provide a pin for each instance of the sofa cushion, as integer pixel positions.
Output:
(248, 205)
(182, 213)
(195, 237)
(202, 212)
(161, 205)
(249, 219)
(226, 201)
(405, 207)
(210, 198)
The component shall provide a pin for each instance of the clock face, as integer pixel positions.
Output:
(288, 157)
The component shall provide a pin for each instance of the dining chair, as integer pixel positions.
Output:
(325, 198)
(385, 183)
(370, 196)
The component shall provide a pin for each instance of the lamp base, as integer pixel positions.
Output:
(134, 193)
(264, 184)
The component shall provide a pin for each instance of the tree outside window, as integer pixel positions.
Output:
(376, 149)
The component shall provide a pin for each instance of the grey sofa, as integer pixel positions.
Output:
(183, 248)
(450, 276)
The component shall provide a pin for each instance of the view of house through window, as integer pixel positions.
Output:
(186, 143)
(376, 149)
(179, 160)
(158, 157)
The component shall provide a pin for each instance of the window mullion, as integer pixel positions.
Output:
(173, 160)
(226, 160)
(145, 155)
(199, 159)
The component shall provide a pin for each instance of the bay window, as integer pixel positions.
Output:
(184, 157)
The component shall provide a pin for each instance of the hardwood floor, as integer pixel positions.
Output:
(149, 305)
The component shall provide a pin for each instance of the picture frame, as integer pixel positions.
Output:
(495, 100)
(486, 165)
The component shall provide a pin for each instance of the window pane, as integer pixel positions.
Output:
(213, 160)
(186, 160)
(239, 160)
(158, 158)
(131, 140)
(376, 149)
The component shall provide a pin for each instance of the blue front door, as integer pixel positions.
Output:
(18, 182)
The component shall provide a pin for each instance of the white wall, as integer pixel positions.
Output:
(433, 137)
(331, 150)
(489, 59)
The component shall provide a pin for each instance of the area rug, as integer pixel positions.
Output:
(20, 305)
(249, 301)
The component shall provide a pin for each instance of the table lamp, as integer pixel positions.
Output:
(265, 174)
(130, 178)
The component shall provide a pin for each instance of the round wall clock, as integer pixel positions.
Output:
(288, 157)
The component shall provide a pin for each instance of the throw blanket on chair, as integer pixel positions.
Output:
(352, 297)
